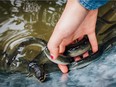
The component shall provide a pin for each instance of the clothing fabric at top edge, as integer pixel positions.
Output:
(92, 4)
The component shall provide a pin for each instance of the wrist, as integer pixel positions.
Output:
(77, 3)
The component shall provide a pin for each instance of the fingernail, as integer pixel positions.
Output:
(52, 57)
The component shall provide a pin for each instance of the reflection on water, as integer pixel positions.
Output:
(22, 18)
(34, 18)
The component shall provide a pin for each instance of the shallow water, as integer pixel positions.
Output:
(20, 18)
(101, 73)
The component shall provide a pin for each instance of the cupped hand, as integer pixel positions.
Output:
(74, 23)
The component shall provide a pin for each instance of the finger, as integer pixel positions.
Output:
(54, 50)
(93, 41)
(63, 68)
(54, 43)
(62, 48)
(67, 41)
(77, 58)
(86, 54)
(64, 43)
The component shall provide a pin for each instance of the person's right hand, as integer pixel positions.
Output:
(86, 28)
(73, 25)
(71, 18)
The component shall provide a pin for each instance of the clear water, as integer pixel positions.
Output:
(20, 18)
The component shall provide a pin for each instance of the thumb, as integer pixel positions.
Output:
(54, 53)
(63, 68)
(54, 45)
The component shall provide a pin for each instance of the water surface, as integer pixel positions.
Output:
(20, 18)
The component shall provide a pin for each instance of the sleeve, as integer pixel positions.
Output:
(92, 4)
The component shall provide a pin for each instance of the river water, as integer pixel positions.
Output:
(22, 18)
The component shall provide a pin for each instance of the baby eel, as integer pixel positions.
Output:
(71, 51)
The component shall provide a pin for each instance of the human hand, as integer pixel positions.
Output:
(86, 28)
(71, 26)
